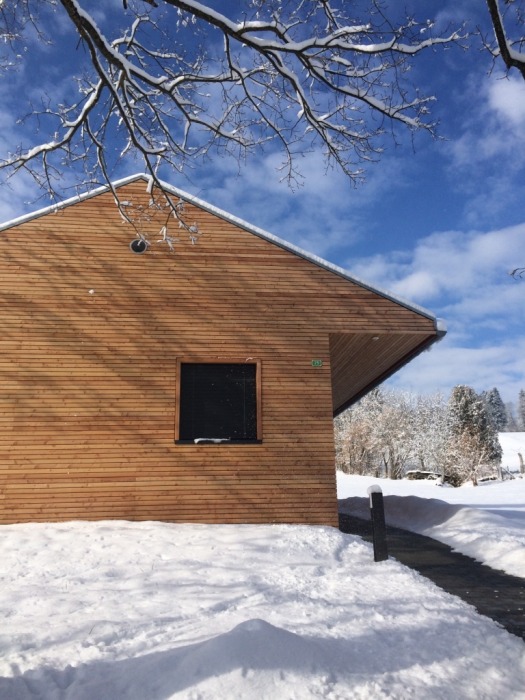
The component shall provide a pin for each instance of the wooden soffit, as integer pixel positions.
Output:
(361, 361)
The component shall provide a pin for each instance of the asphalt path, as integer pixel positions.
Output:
(493, 593)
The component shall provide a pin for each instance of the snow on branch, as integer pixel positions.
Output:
(510, 50)
(178, 79)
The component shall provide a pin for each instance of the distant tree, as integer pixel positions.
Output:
(394, 433)
(512, 423)
(389, 431)
(495, 409)
(521, 409)
(360, 436)
(431, 438)
(469, 457)
(354, 439)
(475, 443)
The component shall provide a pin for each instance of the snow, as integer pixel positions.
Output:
(486, 522)
(117, 610)
(512, 445)
(153, 611)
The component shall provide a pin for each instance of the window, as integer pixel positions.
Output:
(218, 402)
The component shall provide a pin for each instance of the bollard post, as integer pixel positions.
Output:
(377, 511)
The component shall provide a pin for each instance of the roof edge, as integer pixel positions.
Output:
(102, 189)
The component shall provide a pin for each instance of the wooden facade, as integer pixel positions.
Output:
(91, 334)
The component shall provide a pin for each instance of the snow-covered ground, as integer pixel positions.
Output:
(486, 522)
(152, 611)
(512, 444)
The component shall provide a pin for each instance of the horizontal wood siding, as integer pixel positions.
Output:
(91, 333)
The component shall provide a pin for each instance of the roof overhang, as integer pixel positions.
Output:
(362, 361)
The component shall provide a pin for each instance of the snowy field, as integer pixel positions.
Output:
(152, 611)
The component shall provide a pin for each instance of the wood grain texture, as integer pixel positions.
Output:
(90, 338)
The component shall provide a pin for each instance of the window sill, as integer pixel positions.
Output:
(218, 444)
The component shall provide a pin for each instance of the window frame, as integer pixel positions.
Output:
(206, 360)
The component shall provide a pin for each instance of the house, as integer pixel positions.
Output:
(198, 385)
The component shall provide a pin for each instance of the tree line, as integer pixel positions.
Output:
(389, 433)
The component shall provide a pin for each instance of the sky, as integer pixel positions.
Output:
(438, 221)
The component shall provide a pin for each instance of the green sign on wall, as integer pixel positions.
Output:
(317, 363)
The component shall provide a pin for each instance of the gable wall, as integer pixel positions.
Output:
(90, 337)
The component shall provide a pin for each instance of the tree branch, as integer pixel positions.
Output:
(511, 58)
(185, 78)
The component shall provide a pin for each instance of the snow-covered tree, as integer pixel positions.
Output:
(517, 272)
(356, 437)
(474, 443)
(394, 438)
(431, 434)
(508, 44)
(512, 423)
(521, 409)
(389, 431)
(167, 81)
(496, 410)
(353, 440)
(469, 457)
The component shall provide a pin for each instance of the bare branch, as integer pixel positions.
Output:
(517, 272)
(183, 79)
(512, 57)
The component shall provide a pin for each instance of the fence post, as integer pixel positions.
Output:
(377, 511)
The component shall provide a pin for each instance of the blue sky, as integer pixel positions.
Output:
(437, 221)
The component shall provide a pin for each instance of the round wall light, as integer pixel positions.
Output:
(139, 245)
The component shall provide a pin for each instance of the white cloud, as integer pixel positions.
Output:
(420, 284)
(448, 265)
(491, 306)
(500, 365)
(462, 277)
(485, 156)
(507, 99)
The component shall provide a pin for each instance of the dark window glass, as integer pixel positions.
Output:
(218, 401)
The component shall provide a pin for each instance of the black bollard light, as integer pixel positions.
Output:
(377, 511)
